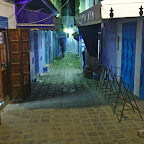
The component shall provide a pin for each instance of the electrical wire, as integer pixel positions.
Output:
(15, 13)
(11, 16)
(50, 15)
(46, 17)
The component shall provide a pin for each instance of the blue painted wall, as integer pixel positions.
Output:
(32, 59)
(41, 63)
(36, 52)
(142, 68)
(46, 47)
(49, 45)
(128, 52)
(55, 45)
(109, 55)
(41, 51)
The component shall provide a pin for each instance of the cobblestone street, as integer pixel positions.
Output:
(66, 108)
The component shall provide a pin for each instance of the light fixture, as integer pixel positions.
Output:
(57, 15)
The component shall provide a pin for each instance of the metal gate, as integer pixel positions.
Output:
(142, 68)
(128, 52)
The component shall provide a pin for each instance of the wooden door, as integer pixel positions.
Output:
(5, 67)
(1, 80)
(25, 62)
(15, 63)
(19, 62)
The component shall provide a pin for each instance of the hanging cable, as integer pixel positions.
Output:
(15, 13)
(46, 17)
(50, 15)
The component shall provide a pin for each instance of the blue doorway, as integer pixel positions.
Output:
(142, 68)
(128, 53)
(46, 47)
(36, 54)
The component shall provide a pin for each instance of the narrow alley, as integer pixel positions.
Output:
(65, 108)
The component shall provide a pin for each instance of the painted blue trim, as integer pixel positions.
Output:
(3, 22)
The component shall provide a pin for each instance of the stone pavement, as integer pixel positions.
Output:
(65, 108)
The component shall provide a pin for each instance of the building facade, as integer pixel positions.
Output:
(121, 39)
(58, 5)
(7, 21)
(86, 4)
(27, 47)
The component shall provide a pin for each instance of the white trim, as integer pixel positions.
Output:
(101, 11)
(138, 56)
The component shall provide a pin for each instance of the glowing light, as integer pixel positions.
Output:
(57, 15)
(70, 31)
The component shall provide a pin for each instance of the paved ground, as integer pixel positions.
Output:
(66, 108)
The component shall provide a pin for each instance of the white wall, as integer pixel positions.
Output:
(138, 56)
(8, 10)
(138, 49)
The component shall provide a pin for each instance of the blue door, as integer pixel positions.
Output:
(142, 68)
(128, 53)
(49, 46)
(46, 54)
(36, 55)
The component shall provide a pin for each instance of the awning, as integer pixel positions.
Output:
(90, 37)
(108, 9)
(32, 20)
(42, 5)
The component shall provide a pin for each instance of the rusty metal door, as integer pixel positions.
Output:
(19, 63)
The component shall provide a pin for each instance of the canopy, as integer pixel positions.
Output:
(32, 19)
(37, 5)
(90, 37)
(101, 11)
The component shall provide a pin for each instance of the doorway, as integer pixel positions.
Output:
(128, 52)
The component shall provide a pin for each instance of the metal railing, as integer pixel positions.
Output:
(113, 87)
